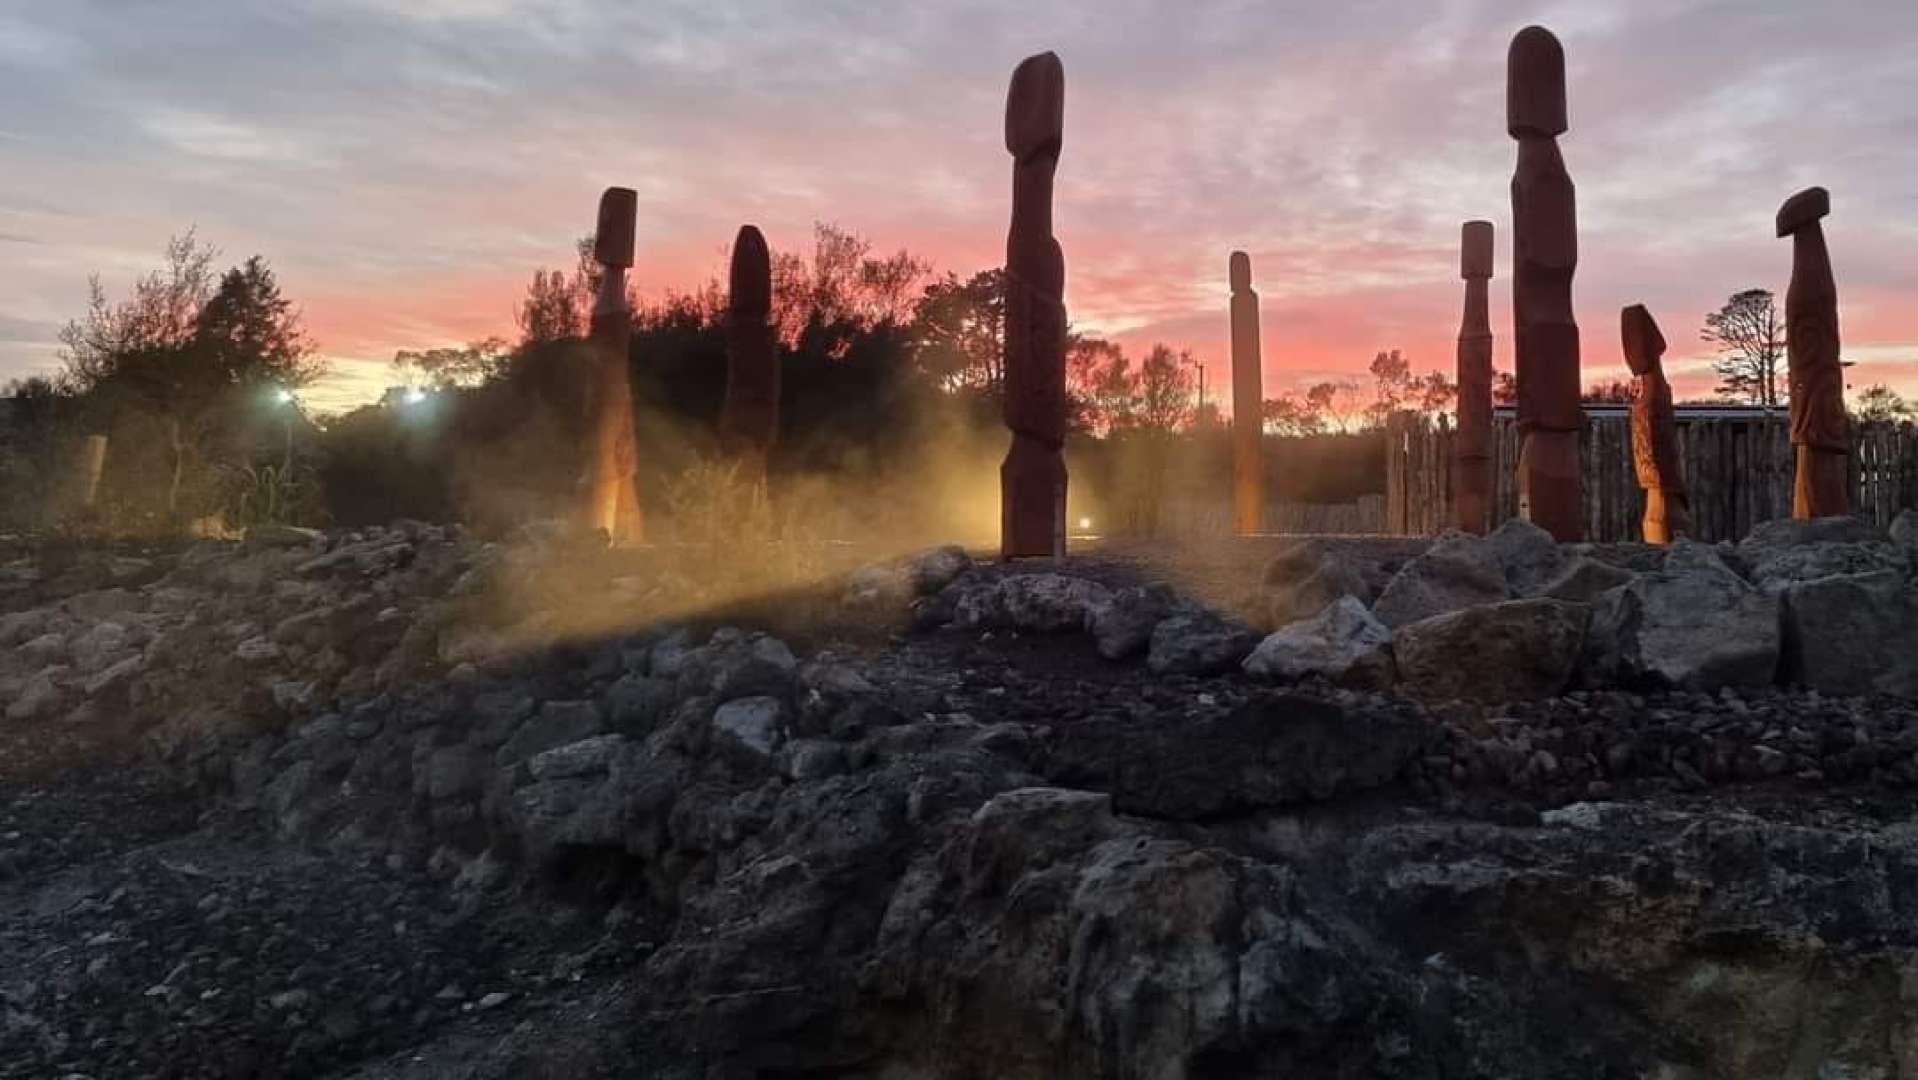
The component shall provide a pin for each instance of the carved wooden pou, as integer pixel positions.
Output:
(749, 421)
(1472, 446)
(1032, 481)
(1654, 429)
(1248, 403)
(1544, 257)
(611, 500)
(1820, 429)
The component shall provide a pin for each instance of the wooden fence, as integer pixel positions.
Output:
(1213, 517)
(1738, 466)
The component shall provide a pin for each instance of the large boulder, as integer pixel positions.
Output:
(1694, 624)
(1198, 643)
(1526, 554)
(1584, 579)
(1457, 571)
(1041, 603)
(1123, 624)
(1509, 651)
(1852, 634)
(1306, 577)
(1778, 553)
(1344, 644)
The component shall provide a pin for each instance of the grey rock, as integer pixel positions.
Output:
(102, 604)
(1040, 603)
(101, 646)
(1122, 625)
(1526, 554)
(809, 760)
(1694, 624)
(1457, 571)
(558, 723)
(1852, 634)
(1198, 643)
(1344, 644)
(256, 650)
(114, 679)
(764, 666)
(40, 697)
(1508, 651)
(453, 772)
(282, 536)
(1583, 579)
(1903, 532)
(45, 649)
(1778, 553)
(637, 703)
(755, 725)
(936, 568)
(587, 757)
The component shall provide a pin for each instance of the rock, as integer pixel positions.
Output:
(637, 703)
(932, 570)
(1276, 749)
(756, 725)
(761, 667)
(1694, 624)
(558, 723)
(587, 757)
(43, 650)
(282, 536)
(1198, 643)
(41, 697)
(1122, 625)
(20, 626)
(1904, 533)
(453, 772)
(114, 679)
(256, 650)
(1040, 603)
(1583, 579)
(1304, 578)
(292, 695)
(1778, 553)
(807, 760)
(102, 604)
(1509, 651)
(1852, 634)
(1526, 555)
(1457, 571)
(1343, 644)
(101, 646)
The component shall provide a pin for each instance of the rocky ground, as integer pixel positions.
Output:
(400, 803)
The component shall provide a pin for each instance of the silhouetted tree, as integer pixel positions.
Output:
(1881, 402)
(1750, 338)
(1615, 392)
(445, 368)
(1293, 415)
(959, 332)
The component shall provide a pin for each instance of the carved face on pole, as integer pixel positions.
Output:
(1820, 428)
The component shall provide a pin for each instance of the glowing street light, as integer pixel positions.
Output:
(283, 396)
(415, 395)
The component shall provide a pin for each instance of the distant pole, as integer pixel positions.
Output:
(1248, 421)
(749, 421)
(1472, 442)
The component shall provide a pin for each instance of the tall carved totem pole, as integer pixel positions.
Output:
(1544, 256)
(612, 499)
(749, 422)
(1248, 402)
(1472, 447)
(1032, 481)
(1654, 429)
(1820, 430)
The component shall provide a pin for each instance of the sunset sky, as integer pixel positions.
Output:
(406, 164)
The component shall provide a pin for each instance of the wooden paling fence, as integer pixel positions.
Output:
(1213, 517)
(1738, 466)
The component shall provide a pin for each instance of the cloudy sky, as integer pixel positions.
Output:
(406, 164)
